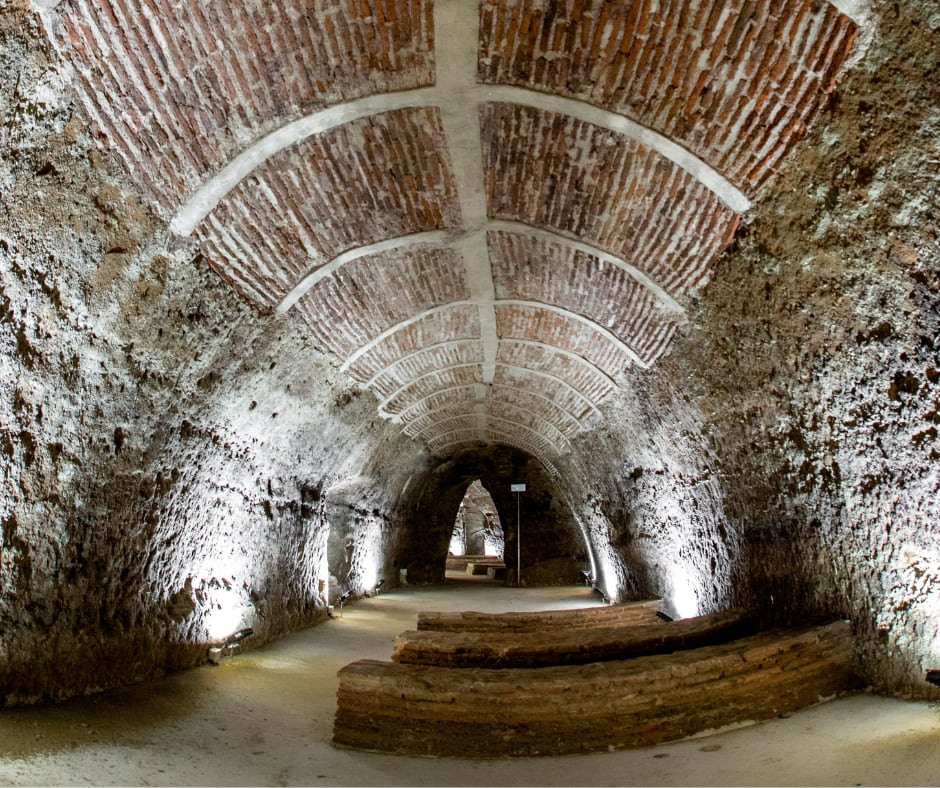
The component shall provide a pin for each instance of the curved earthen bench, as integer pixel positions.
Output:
(469, 621)
(483, 713)
(548, 645)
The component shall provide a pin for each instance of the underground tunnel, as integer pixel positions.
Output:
(282, 280)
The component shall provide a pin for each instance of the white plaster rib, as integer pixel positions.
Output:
(579, 425)
(226, 179)
(420, 351)
(560, 437)
(707, 175)
(604, 332)
(547, 447)
(456, 28)
(859, 11)
(521, 228)
(394, 329)
(526, 370)
(561, 381)
(548, 348)
(437, 237)
(447, 390)
(414, 381)
(481, 399)
(357, 354)
(467, 100)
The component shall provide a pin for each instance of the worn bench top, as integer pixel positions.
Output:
(487, 713)
(471, 621)
(550, 645)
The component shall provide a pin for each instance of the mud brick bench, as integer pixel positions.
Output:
(459, 563)
(482, 567)
(469, 621)
(549, 645)
(486, 713)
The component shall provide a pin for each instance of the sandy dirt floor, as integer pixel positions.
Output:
(265, 717)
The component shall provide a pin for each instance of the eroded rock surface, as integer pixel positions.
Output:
(177, 463)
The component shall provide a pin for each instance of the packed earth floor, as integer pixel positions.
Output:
(264, 717)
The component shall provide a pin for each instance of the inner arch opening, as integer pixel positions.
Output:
(477, 543)
(553, 548)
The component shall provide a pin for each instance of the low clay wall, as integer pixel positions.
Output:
(551, 645)
(469, 621)
(486, 713)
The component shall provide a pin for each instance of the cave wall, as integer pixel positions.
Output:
(789, 441)
(165, 449)
(176, 464)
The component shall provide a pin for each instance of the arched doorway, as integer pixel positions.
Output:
(554, 552)
(477, 542)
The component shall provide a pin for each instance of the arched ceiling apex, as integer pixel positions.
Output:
(462, 201)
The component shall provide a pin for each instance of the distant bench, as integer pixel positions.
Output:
(616, 615)
(550, 644)
(460, 563)
(486, 567)
(487, 713)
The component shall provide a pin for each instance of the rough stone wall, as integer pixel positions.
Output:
(793, 427)
(164, 447)
(176, 463)
(651, 501)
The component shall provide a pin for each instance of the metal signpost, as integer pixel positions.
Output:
(518, 488)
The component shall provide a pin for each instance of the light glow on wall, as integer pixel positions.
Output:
(915, 593)
(366, 561)
(681, 594)
(228, 611)
(492, 546)
(608, 574)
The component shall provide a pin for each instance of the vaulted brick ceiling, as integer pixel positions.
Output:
(484, 210)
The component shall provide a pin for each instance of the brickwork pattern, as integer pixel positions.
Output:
(458, 322)
(528, 269)
(176, 89)
(506, 402)
(436, 357)
(501, 414)
(561, 174)
(520, 437)
(559, 391)
(585, 378)
(366, 181)
(345, 311)
(538, 401)
(735, 81)
(532, 322)
(179, 88)
(424, 386)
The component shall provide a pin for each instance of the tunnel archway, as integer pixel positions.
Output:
(553, 549)
(477, 529)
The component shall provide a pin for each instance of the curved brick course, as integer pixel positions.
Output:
(571, 174)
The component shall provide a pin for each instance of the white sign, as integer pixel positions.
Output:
(516, 488)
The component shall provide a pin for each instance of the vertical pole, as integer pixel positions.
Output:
(518, 545)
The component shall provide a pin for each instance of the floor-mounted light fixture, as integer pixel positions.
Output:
(342, 601)
(217, 652)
